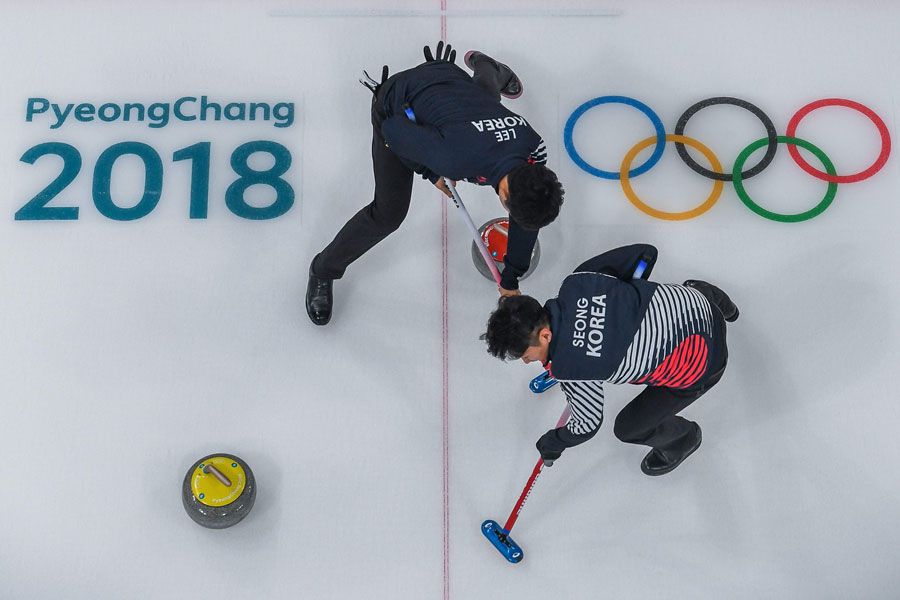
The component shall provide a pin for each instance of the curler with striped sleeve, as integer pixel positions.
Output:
(499, 536)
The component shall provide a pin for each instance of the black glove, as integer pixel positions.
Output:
(549, 447)
(447, 54)
(373, 85)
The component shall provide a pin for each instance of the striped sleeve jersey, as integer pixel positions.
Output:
(609, 330)
(671, 346)
(585, 398)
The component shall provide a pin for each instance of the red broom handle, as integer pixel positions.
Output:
(533, 479)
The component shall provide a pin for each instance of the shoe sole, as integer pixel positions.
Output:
(675, 466)
(314, 322)
(737, 312)
(514, 96)
(467, 59)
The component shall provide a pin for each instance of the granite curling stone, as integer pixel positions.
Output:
(218, 491)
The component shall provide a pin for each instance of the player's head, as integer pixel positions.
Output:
(535, 195)
(519, 328)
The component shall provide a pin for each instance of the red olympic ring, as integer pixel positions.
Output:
(882, 130)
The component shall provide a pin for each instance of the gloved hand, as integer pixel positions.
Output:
(373, 85)
(548, 446)
(439, 184)
(441, 54)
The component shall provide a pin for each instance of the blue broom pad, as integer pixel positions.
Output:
(504, 544)
(542, 383)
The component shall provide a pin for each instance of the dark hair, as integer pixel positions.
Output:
(514, 326)
(535, 195)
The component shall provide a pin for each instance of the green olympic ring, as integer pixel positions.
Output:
(774, 216)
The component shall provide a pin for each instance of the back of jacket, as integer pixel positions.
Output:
(461, 131)
(594, 318)
(634, 331)
(609, 327)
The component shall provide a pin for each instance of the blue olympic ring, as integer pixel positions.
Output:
(657, 125)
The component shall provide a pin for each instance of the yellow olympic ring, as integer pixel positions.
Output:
(660, 214)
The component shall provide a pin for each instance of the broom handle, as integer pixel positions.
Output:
(473, 230)
(533, 479)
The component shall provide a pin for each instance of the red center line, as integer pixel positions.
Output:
(445, 416)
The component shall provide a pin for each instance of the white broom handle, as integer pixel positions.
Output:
(473, 230)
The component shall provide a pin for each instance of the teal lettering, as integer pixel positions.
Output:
(35, 107)
(255, 106)
(36, 209)
(126, 114)
(284, 114)
(159, 114)
(84, 112)
(284, 193)
(198, 154)
(116, 112)
(180, 115)
(153, 181)
(236, 111)
(205, 107)
(60, 116)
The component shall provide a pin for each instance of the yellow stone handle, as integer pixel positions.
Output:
(209, 469)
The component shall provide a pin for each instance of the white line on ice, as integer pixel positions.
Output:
(387, 12)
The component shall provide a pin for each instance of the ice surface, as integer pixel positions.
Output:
(128, 350)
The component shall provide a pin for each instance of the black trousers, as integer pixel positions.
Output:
(393, 191)
(651, 419)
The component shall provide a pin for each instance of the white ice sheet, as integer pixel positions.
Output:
(128, 350)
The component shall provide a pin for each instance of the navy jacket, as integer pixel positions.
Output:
(461, 132)
(609, 327)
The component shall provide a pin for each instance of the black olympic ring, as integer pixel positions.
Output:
(771, 134)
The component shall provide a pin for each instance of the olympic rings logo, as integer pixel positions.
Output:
(738, 174)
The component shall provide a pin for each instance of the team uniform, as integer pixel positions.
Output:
(461, 131)
(609, 328)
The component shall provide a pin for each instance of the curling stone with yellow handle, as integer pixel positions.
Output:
(218, 491)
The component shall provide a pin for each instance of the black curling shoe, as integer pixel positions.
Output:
(716, 296)
(513, 88)
(319, 299)
(661, 461)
